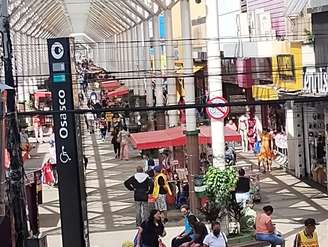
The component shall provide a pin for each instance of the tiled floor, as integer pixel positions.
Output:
(111, 208)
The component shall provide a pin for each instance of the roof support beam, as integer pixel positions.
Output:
(142, 4)
(110, 10)
(133, 9)
(123, 12)
(118, 25)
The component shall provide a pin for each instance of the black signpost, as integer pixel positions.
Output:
(72, 194)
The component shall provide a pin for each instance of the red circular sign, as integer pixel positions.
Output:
(220, 112)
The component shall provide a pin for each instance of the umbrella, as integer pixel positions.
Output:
(4, 87)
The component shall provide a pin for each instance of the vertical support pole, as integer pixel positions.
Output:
(160, 117)
(147, 63)
(16, 173)
(171, 82)
(134, 60)
(191, 130)
(141, 62)
(126, 59)
(215, 80)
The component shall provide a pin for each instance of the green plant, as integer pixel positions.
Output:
(220, 183)
(221, 203)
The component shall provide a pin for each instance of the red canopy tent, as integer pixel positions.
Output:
(118, 92)
(42, 94)
(110, 85)
(173, 137)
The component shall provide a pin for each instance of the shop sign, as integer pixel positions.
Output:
(220, 112)
(316, 82)
(281, 141)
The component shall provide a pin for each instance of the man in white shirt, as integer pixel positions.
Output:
(216, 238)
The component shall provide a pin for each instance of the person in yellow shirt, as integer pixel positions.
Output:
(308, 237)
(161, 188)
(109, 120)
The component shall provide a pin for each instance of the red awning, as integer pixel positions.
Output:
(110, 85)
(118, 92)
(41, 94)
(174, 137)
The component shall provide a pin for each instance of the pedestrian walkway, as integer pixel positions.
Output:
(111, 208)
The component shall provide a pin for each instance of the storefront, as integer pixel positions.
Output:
(307, 140)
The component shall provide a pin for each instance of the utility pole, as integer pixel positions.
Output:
(16, 171)
(191, 128)
(215, 79)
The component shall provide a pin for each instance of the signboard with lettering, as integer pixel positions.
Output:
(71, 180)
(315, 82)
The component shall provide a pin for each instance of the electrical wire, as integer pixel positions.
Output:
(297, 99)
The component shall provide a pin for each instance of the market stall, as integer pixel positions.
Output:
(121, 91)
(109, 86)
(174, 137)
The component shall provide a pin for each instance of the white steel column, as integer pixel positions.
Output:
(215, 80)
(129, 58)
(191, 129)
(170, 67)
(120, 45)
(188, 64)
(126, 59)
(107, 47)
(141, 61)
(117, 55)
(134, 60)
(157, 62)
(147, 68)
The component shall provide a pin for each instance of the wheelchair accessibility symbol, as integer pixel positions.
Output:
(64, 157)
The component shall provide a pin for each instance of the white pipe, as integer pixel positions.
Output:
(215, 80)
(188, 64)
(170, 66)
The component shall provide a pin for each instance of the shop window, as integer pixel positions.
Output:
(286, 67)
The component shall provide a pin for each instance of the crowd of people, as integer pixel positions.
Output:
(197, 234)
(151, 194)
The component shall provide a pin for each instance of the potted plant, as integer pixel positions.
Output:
(221, 204)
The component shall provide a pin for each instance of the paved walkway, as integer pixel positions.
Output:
(111, 208)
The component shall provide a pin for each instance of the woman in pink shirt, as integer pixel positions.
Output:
(265, 230)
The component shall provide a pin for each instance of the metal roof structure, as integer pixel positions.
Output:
(92, 19)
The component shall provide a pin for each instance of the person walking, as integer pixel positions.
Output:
(161, 188)
(266, 230)
(38, 130)
(187, 235)
(242, 188)
(109, 120)
(307, 237)
(116, 143)
(199, 232)
(103, 128)
(150, 230)
(124, 141)
(140, 184)
(216, 238)
(91, 122)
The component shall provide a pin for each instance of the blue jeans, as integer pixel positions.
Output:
(270, 237)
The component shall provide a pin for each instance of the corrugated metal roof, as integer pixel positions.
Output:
(295, 7)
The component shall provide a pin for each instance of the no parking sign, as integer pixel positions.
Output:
(219, 112)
